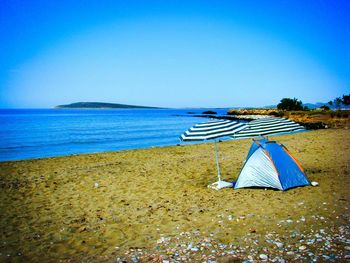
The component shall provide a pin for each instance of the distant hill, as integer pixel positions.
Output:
(315, 105)
(100, 105)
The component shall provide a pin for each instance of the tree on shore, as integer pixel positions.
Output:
(339, 101)
(290, 104)
(346, 100)
(325, 107)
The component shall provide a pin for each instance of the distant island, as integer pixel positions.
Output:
(101, 105)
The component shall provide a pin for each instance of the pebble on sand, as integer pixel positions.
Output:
(302, 247)
(263, 257)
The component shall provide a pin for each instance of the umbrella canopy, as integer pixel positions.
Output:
(212, 130)
(268, 126)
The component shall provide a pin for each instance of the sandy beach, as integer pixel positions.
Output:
(154, 205)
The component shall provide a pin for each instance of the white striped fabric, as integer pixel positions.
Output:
(268, 126)
(258, 171)
(212, 130)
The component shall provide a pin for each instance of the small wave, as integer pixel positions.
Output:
(71, 142)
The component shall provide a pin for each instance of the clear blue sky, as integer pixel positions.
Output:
(173, 53)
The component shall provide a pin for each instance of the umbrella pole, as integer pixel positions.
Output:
(219, 184)
(217, 160)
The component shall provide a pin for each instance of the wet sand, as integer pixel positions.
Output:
(154, 205)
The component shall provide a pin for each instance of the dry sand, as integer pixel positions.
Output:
(123, 205)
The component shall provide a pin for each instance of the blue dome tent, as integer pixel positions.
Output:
(269, 164)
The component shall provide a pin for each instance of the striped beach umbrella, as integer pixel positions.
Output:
(213, 130)
(268, 126)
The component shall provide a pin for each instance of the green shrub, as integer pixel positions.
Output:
(290, 104)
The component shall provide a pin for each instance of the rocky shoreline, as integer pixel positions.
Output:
(311, 120)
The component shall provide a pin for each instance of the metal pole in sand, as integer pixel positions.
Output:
(217, 160)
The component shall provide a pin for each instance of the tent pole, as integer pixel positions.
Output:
(217, 160)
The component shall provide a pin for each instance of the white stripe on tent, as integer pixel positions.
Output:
(258, 171)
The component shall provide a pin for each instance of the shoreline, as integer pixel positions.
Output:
(180, 144)
(154, 204)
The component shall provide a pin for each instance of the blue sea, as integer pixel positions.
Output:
(37, 133)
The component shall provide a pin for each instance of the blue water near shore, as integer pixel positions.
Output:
(36, 133)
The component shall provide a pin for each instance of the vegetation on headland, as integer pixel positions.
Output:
(338, 102)
(294, 109)
(295, 104)
(100, 105)
(290, 104)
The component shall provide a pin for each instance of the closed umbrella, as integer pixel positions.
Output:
(213, 130)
